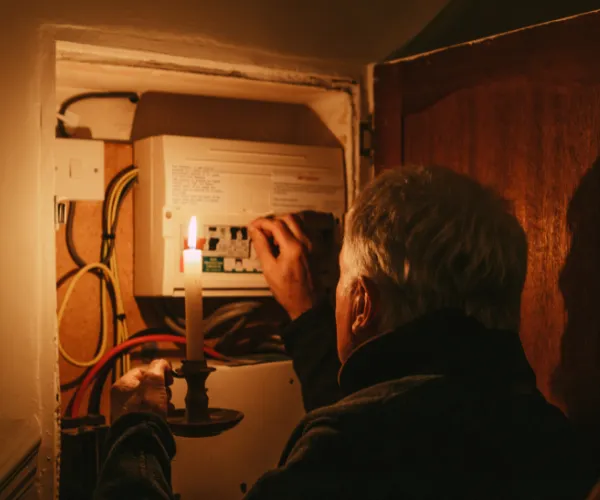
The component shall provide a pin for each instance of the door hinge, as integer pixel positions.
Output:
(366, 138)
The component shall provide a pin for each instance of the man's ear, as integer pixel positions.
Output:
(365, 306)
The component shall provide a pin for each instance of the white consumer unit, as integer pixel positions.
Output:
(225, 184)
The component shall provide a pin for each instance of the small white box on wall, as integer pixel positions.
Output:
(79, 169)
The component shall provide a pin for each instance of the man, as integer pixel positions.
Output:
(435, 396)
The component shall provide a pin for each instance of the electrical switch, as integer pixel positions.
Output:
(79, 169)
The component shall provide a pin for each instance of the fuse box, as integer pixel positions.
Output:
(226, 184)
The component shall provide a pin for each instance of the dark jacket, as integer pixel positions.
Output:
(439, 409)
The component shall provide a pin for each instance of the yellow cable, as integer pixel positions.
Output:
(122, 333)
(108, 274)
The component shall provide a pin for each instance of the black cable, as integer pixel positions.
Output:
(97, 388)
(69, 236)
(107, 233)
(109, 189)
(76, 382)
(108, 236)
(66, 277)
(169, 312)
(71, 248)
(81, 263)
(71, 384)
(106, 253)
(61, 131)
(69, 407)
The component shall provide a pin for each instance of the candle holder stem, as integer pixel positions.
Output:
(196, 398)
(197, 419)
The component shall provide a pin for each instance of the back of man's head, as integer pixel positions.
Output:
(429, 239)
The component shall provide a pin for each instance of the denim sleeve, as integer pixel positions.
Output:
(137, 463)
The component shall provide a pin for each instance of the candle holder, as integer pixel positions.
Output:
(197, 419)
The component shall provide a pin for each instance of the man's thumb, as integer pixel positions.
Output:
(158, 368)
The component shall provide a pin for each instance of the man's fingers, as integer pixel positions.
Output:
(261, 246)
(294, 227)
(281, 233)
(131, 379)
(260, 225)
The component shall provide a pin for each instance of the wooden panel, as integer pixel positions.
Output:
(558, 54)
(80, 326)
(387, 117)
(539, 147)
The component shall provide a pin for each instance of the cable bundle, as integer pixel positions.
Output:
(106, 268)
(232, 317)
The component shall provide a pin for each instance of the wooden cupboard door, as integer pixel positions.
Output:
(521, 113)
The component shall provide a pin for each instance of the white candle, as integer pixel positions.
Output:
(192, 270)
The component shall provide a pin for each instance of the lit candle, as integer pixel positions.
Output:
(192, 270)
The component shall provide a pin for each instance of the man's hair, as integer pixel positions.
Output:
(429, 239)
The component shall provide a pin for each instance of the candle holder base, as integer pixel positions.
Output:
(197, 419)
(217, 421)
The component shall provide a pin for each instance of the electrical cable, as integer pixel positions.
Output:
(168, 310)
(97, 388)
(108, 225)
(109, 275)
(99, 383)
(240, 340)
(174, 327)
(69, 236)
(116, 191)
(119, 189)
(61, 131)
(69, 407)
(73, 383)
(221, 315)
(66, 277)
(106, 230)
(112, 353)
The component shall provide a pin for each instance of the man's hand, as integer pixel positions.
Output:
(287, 273)
(143, 389)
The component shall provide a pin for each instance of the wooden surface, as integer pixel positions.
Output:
(521, 113)
(559, 54)
(81, 324)
(538, 147)
(388, 116)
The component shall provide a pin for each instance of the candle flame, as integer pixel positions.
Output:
(192, 233)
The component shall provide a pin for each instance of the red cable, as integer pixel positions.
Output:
(115, 351)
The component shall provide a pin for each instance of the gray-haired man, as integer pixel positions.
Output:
(434, 398)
